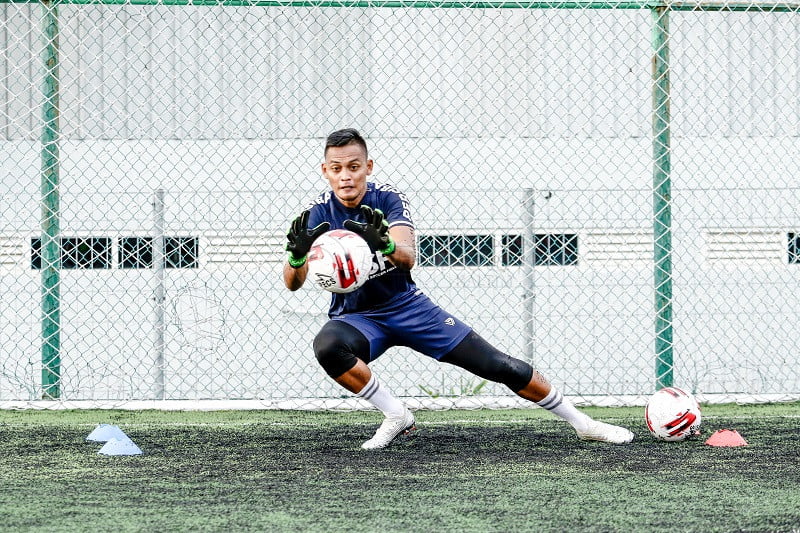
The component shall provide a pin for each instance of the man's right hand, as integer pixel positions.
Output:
(300, 238)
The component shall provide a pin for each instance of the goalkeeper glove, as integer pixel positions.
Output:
(299, 239)
(375, 230)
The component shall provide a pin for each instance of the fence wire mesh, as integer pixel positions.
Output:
(610, 194)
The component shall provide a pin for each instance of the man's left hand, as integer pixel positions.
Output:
(375, 230)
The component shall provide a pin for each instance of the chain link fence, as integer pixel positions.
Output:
(609, 191)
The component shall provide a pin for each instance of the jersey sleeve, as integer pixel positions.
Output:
(395, 206)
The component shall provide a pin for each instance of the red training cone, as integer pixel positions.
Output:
(726, 438)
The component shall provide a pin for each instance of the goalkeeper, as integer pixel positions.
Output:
(389, 310)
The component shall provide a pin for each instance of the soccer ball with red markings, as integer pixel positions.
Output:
(339, 261)
(672, 414)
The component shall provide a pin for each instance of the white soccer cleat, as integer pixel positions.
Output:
(389, 429)
(606, 433)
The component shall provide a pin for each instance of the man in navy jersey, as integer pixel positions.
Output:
(390, 310)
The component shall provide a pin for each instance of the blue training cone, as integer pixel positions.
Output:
(120, 447)
(106, 432)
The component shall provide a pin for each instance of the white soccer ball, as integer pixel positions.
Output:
(672, 414)
(339, 261)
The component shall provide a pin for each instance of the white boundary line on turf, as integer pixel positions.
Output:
(356, 404)
(438, 423)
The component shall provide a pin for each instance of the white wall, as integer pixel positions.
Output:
(254, 73)
(233, 331)
(226, 109)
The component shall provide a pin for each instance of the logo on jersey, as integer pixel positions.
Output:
(403, 200)
(322, 198)
(380, 266)
(450, 321)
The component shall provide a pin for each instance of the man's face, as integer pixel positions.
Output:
(347, 168)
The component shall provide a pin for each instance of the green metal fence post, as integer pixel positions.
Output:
(51, 246)
(662, 201)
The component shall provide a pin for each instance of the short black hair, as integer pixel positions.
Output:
(346, 137)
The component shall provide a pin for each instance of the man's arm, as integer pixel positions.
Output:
(405, 250)
(293, 277)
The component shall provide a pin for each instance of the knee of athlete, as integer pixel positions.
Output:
(512, 372)
(334, 355)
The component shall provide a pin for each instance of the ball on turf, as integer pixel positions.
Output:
(672, 414)
(339, 261)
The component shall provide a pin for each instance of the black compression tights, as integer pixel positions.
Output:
(339, 345)
(482, 359)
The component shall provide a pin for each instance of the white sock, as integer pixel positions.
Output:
(560, 406)
(380, 397)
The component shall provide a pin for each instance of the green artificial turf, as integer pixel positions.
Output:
(510, 470)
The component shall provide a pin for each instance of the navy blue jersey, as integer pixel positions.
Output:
(386, 281)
